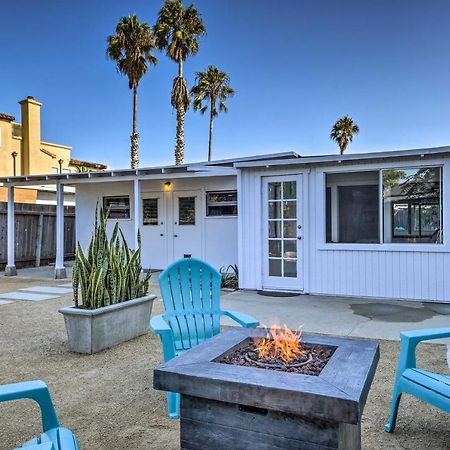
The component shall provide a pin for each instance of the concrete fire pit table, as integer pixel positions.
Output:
(225, 406)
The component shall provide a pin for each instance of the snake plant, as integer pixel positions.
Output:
(109, 272)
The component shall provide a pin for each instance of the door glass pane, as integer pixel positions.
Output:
(150, 211)
(290, 248)
(282, 229)
(289, 190)
(290, 210)
(274, 191)
(274, 228)
(186, 210)
(275, 248)
(290, 228)
(290, 268)
(275, 267)
(274, 210)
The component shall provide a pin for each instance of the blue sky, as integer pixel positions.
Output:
(296, 66)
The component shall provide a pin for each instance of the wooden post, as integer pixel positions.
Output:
(39, 239)
(10, 269)
(60, 270)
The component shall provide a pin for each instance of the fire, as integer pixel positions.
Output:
(280, 343)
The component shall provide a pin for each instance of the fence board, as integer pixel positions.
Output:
(31, 222)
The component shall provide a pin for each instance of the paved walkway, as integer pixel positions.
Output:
(344, 316)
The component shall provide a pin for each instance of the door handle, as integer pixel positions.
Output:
(299, 238)
(175, 235)
(161, 234)
(299, 227)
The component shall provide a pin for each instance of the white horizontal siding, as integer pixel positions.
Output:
(399, 275)
(384, 272)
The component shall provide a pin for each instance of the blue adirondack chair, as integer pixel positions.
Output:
(430, 387)
(53, 436)
(190, 290)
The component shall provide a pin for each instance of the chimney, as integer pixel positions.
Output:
(31, 134)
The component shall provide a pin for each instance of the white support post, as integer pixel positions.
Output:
(10, 269)
(137, 210)
(60, 270)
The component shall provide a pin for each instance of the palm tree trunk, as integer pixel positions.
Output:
(134, 134)
(211, 121)
(179, 147)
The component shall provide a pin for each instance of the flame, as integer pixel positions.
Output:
(280, 343)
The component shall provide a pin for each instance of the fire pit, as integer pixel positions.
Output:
(236, 396)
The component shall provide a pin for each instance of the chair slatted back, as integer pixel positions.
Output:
(190, 290)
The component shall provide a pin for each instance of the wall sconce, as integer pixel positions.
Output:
(167, 186)
(60, 162)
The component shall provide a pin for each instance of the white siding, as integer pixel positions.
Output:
(219, 233)
(399, 271)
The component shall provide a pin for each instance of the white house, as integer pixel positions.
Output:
(366, 225)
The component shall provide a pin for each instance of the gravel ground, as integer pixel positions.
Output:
(108, 401)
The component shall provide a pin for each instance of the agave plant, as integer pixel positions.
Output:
(230, 277)
(109, 272)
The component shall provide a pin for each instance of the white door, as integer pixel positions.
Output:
(153, 230)
(282, 233)
(187, 228)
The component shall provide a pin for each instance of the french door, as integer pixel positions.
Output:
(282, 233)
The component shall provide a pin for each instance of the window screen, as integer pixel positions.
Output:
(150, 211)
(186, 211)
(221, 203)
(119, 207)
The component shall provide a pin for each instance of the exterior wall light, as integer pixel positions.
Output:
(167, 186)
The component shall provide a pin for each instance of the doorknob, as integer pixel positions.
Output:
(299, 238)
(299, 227)
(161, 234)
(175, 235)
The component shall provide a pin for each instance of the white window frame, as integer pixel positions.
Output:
(382, 246)
(221, 191)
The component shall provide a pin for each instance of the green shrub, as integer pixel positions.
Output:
(110, 272)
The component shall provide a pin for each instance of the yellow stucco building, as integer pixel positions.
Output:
(23, 152)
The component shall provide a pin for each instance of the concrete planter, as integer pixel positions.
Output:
(92, 330)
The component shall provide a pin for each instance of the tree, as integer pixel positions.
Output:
(343, 131)
(177, 31)
(131, 48)
(212, 85)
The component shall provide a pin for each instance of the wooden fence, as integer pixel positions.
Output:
(35, 227)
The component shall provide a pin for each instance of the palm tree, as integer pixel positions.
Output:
(212, 85)
(131, 48)
(177, 31)
(343, 131)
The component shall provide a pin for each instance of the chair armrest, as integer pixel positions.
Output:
(409, 341)
(160, 326)
(242, 319)
(425, 335)
(33, 390)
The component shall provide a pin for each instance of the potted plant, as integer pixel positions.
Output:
(110, 292)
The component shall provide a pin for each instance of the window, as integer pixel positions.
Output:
(186, 211)
(221, 203)
(352, 207)
(150, 211)
(119, 207)
(412, 205)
